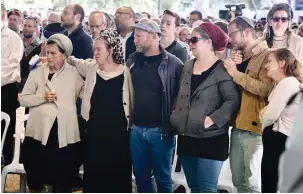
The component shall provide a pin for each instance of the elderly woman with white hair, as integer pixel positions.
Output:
(52, 148)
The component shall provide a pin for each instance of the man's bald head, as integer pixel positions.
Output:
(97, 23)
(54, 18)
(124, 18)
(72, 16)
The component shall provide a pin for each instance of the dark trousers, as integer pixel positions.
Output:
(9, 104)
(273, 147)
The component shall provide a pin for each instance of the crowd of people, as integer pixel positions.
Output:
(111, 93)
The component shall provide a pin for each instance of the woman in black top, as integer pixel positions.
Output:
(106, 106)
(206, 101)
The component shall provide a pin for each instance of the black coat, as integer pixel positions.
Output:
(33, 49)
(179, 51)
(130, 46)
(82, 43)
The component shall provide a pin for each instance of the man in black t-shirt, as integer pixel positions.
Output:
(155, 77)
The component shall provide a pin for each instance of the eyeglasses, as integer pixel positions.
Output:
(232, 33)
(277, 19)
(194, 40)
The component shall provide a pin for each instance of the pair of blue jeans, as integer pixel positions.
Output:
(151, 154)
(201, 174)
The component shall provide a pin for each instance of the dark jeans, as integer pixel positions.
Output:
(273, 147)
(150, 152)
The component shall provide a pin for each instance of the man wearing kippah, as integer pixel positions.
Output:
(247, 67)
(11, 54)
(155, 78)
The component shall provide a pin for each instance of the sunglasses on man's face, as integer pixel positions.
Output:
(277, 19)
(194, 40)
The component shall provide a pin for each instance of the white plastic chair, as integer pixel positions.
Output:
(7, 120)
(15, 167)
(178, 178)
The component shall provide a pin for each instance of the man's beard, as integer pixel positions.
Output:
(119, 27)
(67, 25)
(28, 35)
(142, 49)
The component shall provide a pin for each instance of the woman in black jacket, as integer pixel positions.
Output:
(207, 99)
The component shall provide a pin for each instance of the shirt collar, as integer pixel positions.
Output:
(73, 32)
(127, 35)
(5, 31)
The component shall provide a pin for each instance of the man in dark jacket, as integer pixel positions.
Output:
(170, 23)
(32, 47)
(71, 19)
(155, 76)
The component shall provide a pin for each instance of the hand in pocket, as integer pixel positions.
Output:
(208, 122)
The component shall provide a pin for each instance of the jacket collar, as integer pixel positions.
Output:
(260, 46)
(76, 31)
(49, 83)
(34, 43)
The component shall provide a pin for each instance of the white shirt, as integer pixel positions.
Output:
(278, 113)
(11, 55)
(124, 40)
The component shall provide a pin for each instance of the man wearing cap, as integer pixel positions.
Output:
(15, 18)
(125, 18)
(11, 54)
(32, 47)
(97, 23)
(247, 67)
(155, 77)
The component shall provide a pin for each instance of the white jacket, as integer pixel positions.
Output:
(68, 86)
